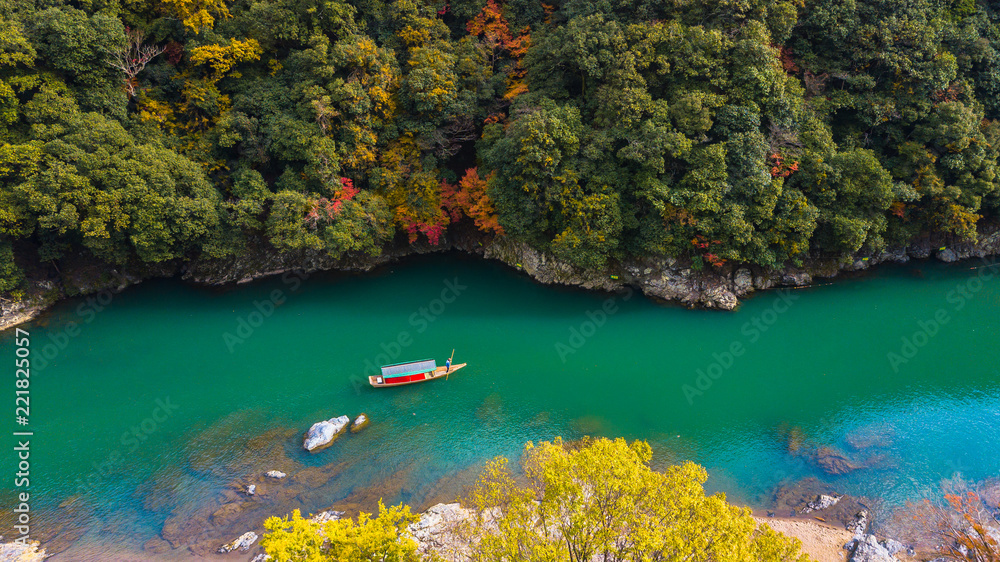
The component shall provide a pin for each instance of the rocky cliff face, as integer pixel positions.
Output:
(668, 279)
(659, 277)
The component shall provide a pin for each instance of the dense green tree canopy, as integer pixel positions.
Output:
(757, 131)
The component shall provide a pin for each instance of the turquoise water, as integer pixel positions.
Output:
(151, 404)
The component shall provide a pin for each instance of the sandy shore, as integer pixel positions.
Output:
(822, 542)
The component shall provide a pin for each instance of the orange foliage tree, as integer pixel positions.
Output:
(969, 528)
(495, 33)
(470, 197)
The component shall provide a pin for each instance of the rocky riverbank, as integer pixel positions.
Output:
(664, 278)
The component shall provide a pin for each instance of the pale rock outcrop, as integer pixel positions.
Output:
(438, 531)
(275, 474)
(947, 255)
(324, 433)
(822, 502)
(742, 282)
(324, 516)
(860, 523)
(867, 548)
(242, 542)
(21, 552)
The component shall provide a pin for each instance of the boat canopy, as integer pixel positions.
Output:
(412, 368)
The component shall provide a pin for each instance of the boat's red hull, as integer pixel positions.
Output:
(440, 372)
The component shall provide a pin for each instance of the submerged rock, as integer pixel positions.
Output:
(275, 474)
(833, 461)
(871, 437)
(228, 513)
(323, 433)
(243, 542)
(316, 476)
(251, 489)
(178, 528)
(155, 545)
(360, 423)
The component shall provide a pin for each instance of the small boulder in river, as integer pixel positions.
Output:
(360, 423)
(822, 502)
(275, 474)
(251, 489)
(323, 433)
(243, 542)
(859, 524)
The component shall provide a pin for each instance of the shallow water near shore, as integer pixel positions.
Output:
(151, 407)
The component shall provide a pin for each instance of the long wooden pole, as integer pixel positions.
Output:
(448, 372)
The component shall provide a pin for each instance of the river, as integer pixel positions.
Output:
(151, 408)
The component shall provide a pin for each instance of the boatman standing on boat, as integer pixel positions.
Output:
(447, 365)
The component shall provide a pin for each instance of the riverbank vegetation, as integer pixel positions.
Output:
(575, 502)
(144, 131)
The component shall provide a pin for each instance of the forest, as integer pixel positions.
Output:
(744, 131)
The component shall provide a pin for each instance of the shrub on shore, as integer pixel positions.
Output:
(574, 502)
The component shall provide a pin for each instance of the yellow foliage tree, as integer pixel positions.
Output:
(201, 104)
(344, 540)
(367, 98)
(197, 14)
(600, 498)
(222, 58)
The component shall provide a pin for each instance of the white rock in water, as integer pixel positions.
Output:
(360, 423)
(321, 434)
(275, 474)
(261, 558)
(251, 489)
(243, 542)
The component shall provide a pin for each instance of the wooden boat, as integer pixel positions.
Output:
(411, 372)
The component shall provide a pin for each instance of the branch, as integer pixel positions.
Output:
(132, 57)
